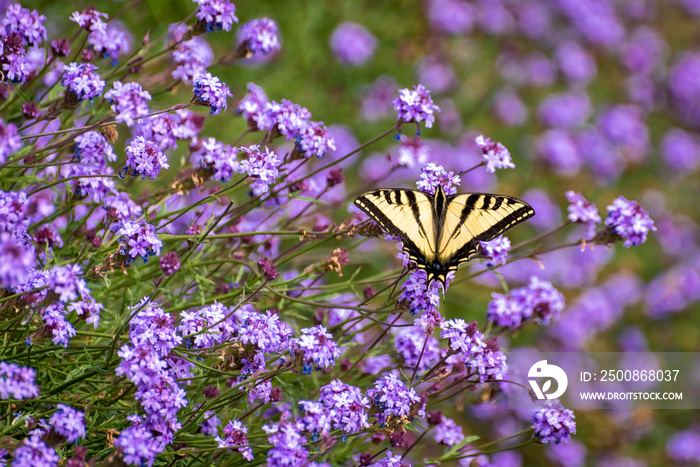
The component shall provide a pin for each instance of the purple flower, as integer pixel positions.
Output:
(35, 452)
(451, 16)
(253, 105)
(495, 154)
(96, 187)
(575, 63)
(28, 24)
(119, 206)
(603, 158)
(353, 44)
(138, 240)
(572, 454)
(684, 87)
(378, 100)
(261, 167)
(138, 446)
(216, 319)
(317, 347)
(630, 221)
(418, 297)
(235, 434)
(538, 300)
(509, 108)
(143, 158)
(315, 140)
(87, 18)
(448, 432)
(495, 18)
(436, 74)
(624, 126)
(10, 140)
(265, 331)
(538, 70)
(496, 251)
(258, 36)
(109, 39)
(62, 331)
(129, 101)
(416, 106)
(392, 396)
(410, 343)
(91, 148)
(13, 214)
(68, 422)
(347, 406)
(15, 260)
(583, 211)
(561, 151)
(35, 279)
(217, 157)
(209, 90)
(87, 309)
(66, 282)
(566, 110)
(192, 59)
(684, 446)
(553, 423)
(490, 363)
(548, 212)
(210, 425)
(17, 382)
(287, 441)
(433, 175)
(81, 80)
(390, 461)
(643, 51)
(463, 338)
(681, 150)
(411, 151)
(216, 14)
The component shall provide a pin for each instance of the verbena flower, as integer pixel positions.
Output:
(539, 300)
(315, 140)
(352, 43)
(448, 432)
(318, 348)
(262, 167)
(495, 154)
(463, 338)
(81, 80)
(630, 221)
(582, 211)
(392, 397)
(144, 159)
(347, 406)
(29, 24)
(68, 422)
(264, 330)
(287, 444)
(106, 39)
(410, 342)
(87, 309)
(119, 206)
(390, 461)
(553, 423)
(411, 152)
(490, 363)
(15, 261)
(66, 282)
(62, 330)
(129, 101)
(88, 18)
(219, 158)
(192, 58)
(217, 319)
(258, 36)
(684, 446)
(34, 279)
(216, 14)
(209, 90)
(35, 452)
(235, 434)
(496, 251)
(433, 175)
(211, 424)
(138, 446)
(416, 106)
(17, 382)
(10, 140)
(91, 148)
(253, 105)
(679, 149)
(417, 296)
(138, 240)
(170, 263)
(566, 110)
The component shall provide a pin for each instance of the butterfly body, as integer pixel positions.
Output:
(440, 232)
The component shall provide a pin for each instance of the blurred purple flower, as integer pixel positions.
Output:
(630, 221)
(596, 20)
(538, 70)
(390, 461)
(258, 36)
(192, 58)
(216, 14)
(378, 100)
(451, 16)
(435, 74)
(539, 301)
(352, 43)
(109, 39)
(496, 251)
(35, 452)
(68, 422)
(575, 63)
(672, 291)
(601, 157)
(15, 261)
(553, 423)
(209, 90)
(211, 423)
(81, 80)
(10, 140)
(495, 18)
(684, 87)
(571, 454)
(509, 108)
(684, 446)
(448, 432)
(17, 381)
(559, 149)
(565, 110)
(495, 155)
(643, 51)
(548, 212)
(681, 150)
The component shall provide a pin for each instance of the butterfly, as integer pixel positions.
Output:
(440, 232)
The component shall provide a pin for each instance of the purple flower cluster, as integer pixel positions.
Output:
(315, 140)
(129, 101)
(120, 207)
(166, 129)
(630, 221)
(263, 330)
(390, 461)
(583, 211)
(433, 175)
(15, 261)
(10, 140)
(684, 447)
(88, 309)
(138, 446)
(81, 80)
(416, 106)
(258, 36)
(208, 326)
(192, 57)
(209, 90)
(490, 362)
(144, 159)
(495, 155)
(464, 338)
(219, 158)
(17, 382)
(680, 150)
(20, 28)
(261, 167)
(287, 441)
(448, 432)
(567, 110)
(35, 452)
(107, 39)
(138, 240)
(539, 300)
(352, 44)
(236, 435)
(91, 148)
(347, 407)
(216, 14)
(67, 283)
(553, 423)
(317, 347)
(392, 397)
(496, 251)
(68, 422)
(416, 348)
(62, 330)
(419, 298)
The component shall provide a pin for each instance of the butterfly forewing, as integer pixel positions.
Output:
(406, 214)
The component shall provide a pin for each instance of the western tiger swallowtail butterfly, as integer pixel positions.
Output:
(441, 232)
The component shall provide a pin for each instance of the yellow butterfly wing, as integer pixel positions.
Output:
(407, 214)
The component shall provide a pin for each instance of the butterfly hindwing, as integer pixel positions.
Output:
(406, 214)
(471, 218)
